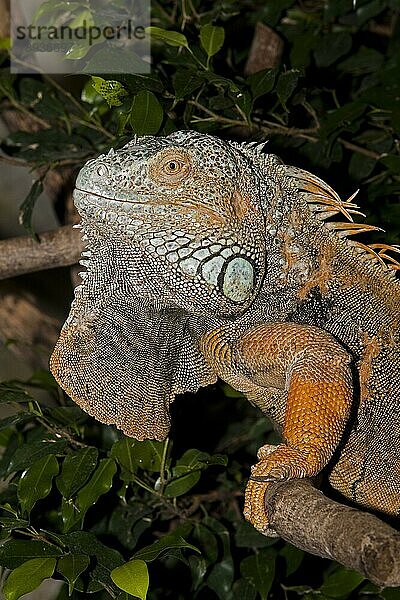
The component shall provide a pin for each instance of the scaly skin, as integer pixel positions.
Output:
(209, 258)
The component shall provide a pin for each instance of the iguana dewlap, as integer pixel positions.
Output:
(208, 258)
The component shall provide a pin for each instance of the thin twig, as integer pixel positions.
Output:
(218, 118)
(359, 149)
(61, 433)
(266, 127)
(18, 106)
(15, 162)
(67, 162)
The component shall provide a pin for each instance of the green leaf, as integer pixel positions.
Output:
(185, 82)
(76, 470)
(148, 455)
(361, 166)
(195, 459)
(49, 145)
(99, 483)
(368, 10)
(131, 454)
(212, 38)
(151, 82)
(28, 454)
(272, 11)
(133, 578)
(6, 436)
(78, 51)
(186, 473)
(51, 6)
(123, 451)
(261, 83)
(171, 38)
(388, 594)
(107, 559)
(221, 578)
(221, 531)
(302, 46)
(366, 60)
(161, 546)
(286, 85)
(116, 61)
(219, 82)
(36, 482)
(146, 113)
(45, 380)
(341, 583)
(10, 523)
(11, 392)
(113, 92)
(71, 566)
(66, 415)
(28, 577)
(16, 552)
(260, 570)
(392, 162)
(345, 116)
(293, 558)
(85, 542)
(181, 485)
(198, 567)
(248, 537)
(128, 522)
(331, 47)
(243, 589)
(20, 417)
(207, 542)
(26, 208)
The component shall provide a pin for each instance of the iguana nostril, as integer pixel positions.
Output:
(103, 171)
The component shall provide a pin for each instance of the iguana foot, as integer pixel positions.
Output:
(276, 463)
(254, 507)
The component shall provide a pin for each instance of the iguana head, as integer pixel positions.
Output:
(188, 204)
(175, 238)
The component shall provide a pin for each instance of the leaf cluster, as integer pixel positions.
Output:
(116, 518)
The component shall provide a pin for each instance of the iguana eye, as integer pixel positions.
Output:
(173, 167)
(170, 166)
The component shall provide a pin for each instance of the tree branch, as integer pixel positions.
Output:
(303, 516)
(58, 248)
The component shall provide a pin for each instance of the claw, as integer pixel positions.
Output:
(265, 451)
(266, 478)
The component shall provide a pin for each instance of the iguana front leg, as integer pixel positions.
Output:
(314, 371)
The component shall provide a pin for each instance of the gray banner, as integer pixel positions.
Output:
(86, 36)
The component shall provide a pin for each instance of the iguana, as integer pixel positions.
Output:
(208, 258)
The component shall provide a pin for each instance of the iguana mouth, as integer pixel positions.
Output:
(118, 201)
(82, 199)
